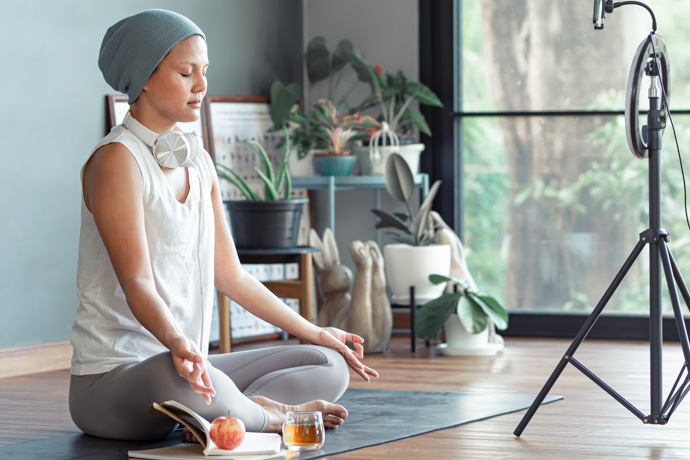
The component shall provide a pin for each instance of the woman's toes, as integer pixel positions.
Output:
(331, 421)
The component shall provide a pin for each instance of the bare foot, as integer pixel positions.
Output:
(333, 414)
(188, 436)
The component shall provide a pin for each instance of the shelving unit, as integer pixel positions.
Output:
(336, 183)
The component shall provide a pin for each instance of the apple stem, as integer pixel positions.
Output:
(228, 412)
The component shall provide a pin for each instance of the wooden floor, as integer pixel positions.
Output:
(587, 424)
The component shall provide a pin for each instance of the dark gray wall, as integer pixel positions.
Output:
(386, 32)
(53, 112)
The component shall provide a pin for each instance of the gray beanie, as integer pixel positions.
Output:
(133, 48)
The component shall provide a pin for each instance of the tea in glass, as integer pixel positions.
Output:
(303, 430)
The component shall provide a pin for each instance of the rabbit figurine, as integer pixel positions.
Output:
(370, 314)
(335, 280)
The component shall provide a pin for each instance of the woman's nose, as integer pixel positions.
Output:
(200, 84)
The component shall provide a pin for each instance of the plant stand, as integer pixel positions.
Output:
(413, 309)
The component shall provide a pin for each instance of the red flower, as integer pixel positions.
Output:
(378, 69)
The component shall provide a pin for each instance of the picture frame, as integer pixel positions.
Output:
(231, 122)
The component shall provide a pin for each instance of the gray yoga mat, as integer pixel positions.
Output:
(376, 417)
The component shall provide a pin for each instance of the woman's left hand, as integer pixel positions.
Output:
(335, 338)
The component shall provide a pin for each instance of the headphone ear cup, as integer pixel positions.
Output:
(173, 149)
(194, 146)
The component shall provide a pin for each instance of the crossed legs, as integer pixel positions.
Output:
(257, 386)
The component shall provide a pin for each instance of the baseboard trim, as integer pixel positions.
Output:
(31, 359)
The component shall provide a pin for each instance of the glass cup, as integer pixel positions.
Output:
(303, 430)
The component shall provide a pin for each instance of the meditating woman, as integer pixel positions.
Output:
(153, 244)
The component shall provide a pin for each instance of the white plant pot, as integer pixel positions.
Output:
(372, 162)
(303, 167)
(411, 266)
(459, 342)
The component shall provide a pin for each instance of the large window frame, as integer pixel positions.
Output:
(440, 23)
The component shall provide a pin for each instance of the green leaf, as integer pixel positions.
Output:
(492, 308)
(399, 179)
(435, 278)
(416, 117)
(420, 221)
(423, 94)
(389, 220)
(236, 180)
(283, 99)
(319, 60)
(472, 316)
(431, 316)
(271, 192)
(259, 149)
(365, 72)
(341, 55)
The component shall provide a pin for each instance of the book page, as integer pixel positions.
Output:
(253, 443)
(181, 413)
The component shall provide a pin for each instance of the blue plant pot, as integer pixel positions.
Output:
(334, 165)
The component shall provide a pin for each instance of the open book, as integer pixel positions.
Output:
(256, 446)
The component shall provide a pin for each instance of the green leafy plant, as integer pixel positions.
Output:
(325, 129)
(394, 96)
(407, 227)
(475, 310)
(273, 183)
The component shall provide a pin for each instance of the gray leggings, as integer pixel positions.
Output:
(116, 404)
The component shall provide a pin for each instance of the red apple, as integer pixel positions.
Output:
(227, 432)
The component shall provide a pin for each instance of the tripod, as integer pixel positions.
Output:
(659, 257)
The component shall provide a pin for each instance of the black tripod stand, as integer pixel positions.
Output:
(659, 256)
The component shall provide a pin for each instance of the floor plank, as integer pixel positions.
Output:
(587, 424)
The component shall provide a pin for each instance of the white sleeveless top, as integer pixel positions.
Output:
(180, 240)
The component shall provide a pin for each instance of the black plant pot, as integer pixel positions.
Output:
(265, 224)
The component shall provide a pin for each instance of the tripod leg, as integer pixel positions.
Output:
(580, 337)
(682, 287)
(666, 259)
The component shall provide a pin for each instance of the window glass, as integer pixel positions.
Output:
(536, 55)
(553, 206)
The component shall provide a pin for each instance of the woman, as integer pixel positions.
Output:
(153, 243)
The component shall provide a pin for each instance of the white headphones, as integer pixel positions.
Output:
(171, 149)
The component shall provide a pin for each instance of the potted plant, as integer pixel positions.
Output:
(466, 331)
(411, 260)
(394, 96)
(265, 221)
(324, 131)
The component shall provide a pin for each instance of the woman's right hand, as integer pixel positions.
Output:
(191, 366)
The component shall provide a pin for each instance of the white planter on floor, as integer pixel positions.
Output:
(459, 342)
(411, 266)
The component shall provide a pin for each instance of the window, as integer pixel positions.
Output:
(552, 199)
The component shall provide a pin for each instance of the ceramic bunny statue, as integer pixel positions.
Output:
(335, 280)
(443, 234)
(370, 314)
